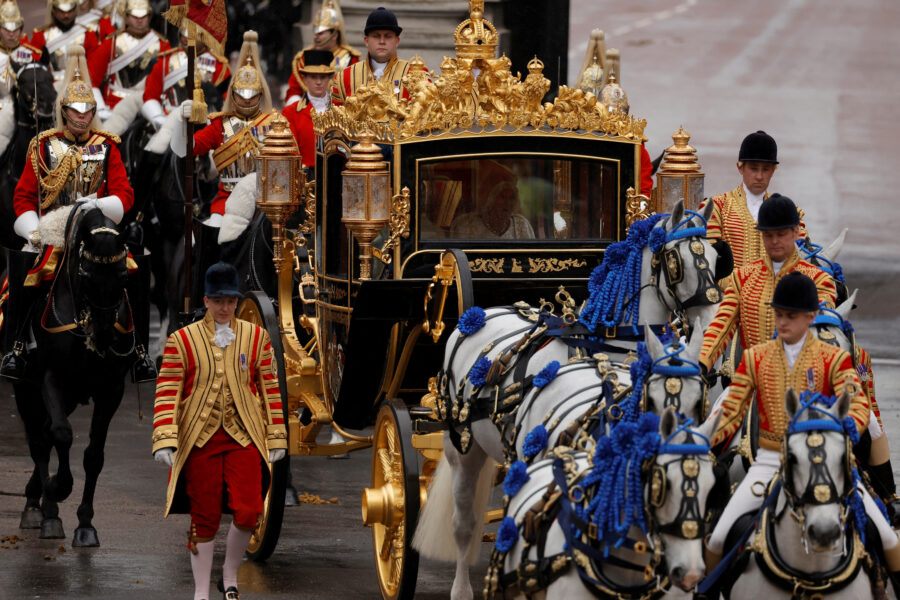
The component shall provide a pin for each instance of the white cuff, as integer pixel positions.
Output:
(153, 111)
(111, 206)
(214, 220)
(26, 223)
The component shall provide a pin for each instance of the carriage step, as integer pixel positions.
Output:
(419, 412)
(428, 426)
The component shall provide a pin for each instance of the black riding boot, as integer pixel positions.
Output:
(882, 478)
(16, 316)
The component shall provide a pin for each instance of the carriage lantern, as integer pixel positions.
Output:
(278, 180)
(679, 176)
(366, 198)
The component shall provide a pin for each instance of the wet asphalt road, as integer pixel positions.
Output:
(820, 76)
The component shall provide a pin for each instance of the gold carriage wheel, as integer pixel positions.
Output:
(259, 310)
(391, 505)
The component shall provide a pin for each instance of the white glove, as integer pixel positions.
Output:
(87, 202)
(153, 111)
(165, 456)
(103, 111)
(274, 455)
(186, 108)
(111, 206)
(178, 141)
(25, 224)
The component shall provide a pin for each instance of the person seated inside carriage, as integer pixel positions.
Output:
(794, 359)
(165, 89)
(75, 163)
(497, 213)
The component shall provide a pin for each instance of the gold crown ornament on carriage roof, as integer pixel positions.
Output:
(476, 91)
(10, 17)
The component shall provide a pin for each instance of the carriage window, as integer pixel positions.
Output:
(518, 198)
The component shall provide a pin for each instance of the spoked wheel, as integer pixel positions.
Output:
(259, 310)
(391, 506)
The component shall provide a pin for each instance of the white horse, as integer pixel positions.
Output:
(668, 375)
(804, 533)
(561, 556)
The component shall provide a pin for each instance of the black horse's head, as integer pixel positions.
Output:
(35, 96)
(100, 277)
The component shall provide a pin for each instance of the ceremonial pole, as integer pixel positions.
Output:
(189, 164)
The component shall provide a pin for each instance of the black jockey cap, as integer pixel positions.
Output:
(796, 292)
(222, 281)
(759, 147)
(382, 18)
(317, 61)
(777, 212)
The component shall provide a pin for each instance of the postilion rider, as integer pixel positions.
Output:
(328, 36)
(216, 420)
(75, 163)
(234, 134)
(735, 213)
(794, 359)
(382, 38)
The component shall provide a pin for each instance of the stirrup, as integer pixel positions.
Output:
(12, 365)
(144, 370)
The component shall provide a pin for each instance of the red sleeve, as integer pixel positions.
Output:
(153, 86)
(646, 171)
(98, 62)
(302, 128)
(222, 73)
(209, 138)
(91, 43)
(105, 28)
(117, 179)
(353, 60)
(26, 194)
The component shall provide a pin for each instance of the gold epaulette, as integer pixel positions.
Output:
(216, 115)
(110, 136)
(45, 134)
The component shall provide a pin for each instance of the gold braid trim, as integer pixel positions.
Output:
(109, 136)
(53, 183)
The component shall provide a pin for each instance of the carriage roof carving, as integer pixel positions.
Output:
(459, 102)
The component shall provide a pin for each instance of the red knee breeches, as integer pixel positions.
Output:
(221, 464)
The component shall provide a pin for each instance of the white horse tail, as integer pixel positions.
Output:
(434, 531)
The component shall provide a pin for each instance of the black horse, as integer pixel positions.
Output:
(34, 97)
(82, 328)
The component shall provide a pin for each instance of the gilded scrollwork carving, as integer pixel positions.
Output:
(309, 208)
(399, 224)
(637, 207)
(487, 265)
(554, 265)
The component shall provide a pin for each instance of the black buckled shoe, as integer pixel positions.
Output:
(232, 594)
(12, 365)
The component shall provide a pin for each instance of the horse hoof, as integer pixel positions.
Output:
(52, 529)
(85, 537)
(31, 518)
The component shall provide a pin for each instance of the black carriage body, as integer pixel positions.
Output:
(571, 189)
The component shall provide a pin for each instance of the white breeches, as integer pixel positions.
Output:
(751, 493)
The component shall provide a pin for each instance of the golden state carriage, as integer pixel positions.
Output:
(472, 190)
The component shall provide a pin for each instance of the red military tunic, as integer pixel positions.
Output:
(764, 370)
(99, 27)
(731, 221)
(299, 117)
(344, 56)
(746, 303)
(229, 136)
(101, 164)
(357, 75)
(121, 63)
(54, 42)
(170, 72)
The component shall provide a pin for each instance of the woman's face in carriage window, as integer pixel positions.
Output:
(222, 309)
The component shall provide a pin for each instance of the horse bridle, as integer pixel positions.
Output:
(669, 260)
(674, 374)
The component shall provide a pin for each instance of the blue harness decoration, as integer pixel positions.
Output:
(812, 254)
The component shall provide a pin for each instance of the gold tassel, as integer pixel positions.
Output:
(198, 104)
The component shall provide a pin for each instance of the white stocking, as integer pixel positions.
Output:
(234, 552)
(201, 565)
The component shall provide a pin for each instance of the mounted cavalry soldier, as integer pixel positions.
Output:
(54, 39)
(217, 419)
(122, 62)
(328, 35)
(14, 51)
(317, 71)
(73, 164)
(794, 359)
(234, 134)
(165, 88)
(382, 38)
(749, 289)
(736, 212)
(96, 16)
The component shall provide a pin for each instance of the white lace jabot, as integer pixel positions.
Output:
(224, 335)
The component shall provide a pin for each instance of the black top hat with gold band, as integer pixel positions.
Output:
(317, 62)
(796, 292)
(778, 212)
(759, 147)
